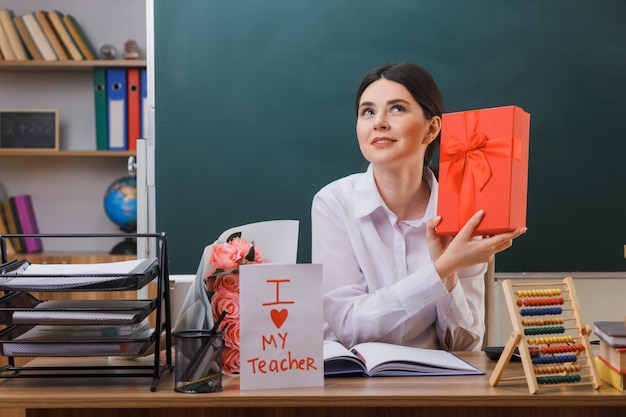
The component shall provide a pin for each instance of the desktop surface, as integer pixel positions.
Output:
(126, 396)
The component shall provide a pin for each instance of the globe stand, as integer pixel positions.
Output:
(127, 246)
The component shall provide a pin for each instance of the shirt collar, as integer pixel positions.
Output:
(367, 198)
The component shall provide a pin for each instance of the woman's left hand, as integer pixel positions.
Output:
(463, 250)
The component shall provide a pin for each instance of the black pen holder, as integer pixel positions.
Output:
(198, 363)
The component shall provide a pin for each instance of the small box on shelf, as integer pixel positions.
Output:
(29, 129)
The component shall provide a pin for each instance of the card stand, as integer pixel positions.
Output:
(20, 312)
(551, 337)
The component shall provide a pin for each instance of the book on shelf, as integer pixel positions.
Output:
(18, 224)
(133, 80)
(5, 45)
(11, 223)
(64, 36)
(100, 107)
(10, 250)
(384, 359)
(27, 222)
(610, 375)
(79, 36)
(46, 26)
(27, 39)
(612, 332)
(143, 85)
(614, 356)
(36, 32)
(6, 19)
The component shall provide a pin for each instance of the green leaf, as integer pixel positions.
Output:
(250, 255)
(222, 272)
(233, 236)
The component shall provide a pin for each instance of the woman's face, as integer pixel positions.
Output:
(391, 126)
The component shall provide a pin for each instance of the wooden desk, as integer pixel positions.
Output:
(401, 396)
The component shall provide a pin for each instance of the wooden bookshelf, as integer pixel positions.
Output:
(69, 65)
(65, 153)
(68, 184)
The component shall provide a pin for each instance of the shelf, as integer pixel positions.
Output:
(65, 153)
(68, 65)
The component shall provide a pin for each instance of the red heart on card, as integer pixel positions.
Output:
(279, 317)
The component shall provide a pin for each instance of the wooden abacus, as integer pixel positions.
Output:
(550, 335)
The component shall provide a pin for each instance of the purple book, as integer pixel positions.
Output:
(28, 222)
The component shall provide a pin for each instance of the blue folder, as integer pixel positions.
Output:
(116, 109)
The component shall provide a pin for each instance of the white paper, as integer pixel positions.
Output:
(281, 326)
(82, 312)
(278, 242)
(60, 276)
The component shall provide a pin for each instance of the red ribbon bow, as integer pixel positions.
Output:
(469, 168)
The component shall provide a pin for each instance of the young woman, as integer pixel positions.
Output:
(388, 276)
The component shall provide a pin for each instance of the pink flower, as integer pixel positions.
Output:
(223, 283)
(224, 300)
(231, 335)
(230, 360)
(242, 245)
(226, 282)
(225, 256)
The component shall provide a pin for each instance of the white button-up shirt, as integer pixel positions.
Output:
(379, 282)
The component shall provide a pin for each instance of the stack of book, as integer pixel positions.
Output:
(43, 36)
(120, 93)
(17, 216)
(611, 359)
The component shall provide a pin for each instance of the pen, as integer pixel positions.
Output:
(358, 355)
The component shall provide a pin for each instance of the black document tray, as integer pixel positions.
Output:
(10, 345)
(78, 282)
(23, 308)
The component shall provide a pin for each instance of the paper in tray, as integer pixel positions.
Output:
(68, 312)
(96, 340)
(115, 276)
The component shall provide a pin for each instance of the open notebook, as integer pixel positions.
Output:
(384, 359)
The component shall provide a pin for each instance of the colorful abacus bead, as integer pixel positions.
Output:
(558, 379)
(539, 293)
(542, 360)
(553, 311)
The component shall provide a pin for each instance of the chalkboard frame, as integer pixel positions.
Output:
(34, 140)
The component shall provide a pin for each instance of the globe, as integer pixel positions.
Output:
(120, 203)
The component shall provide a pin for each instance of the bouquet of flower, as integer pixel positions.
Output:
(222, 285)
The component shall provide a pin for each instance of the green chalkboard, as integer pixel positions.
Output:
(254, 110)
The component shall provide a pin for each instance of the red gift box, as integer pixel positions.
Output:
(484, 165)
